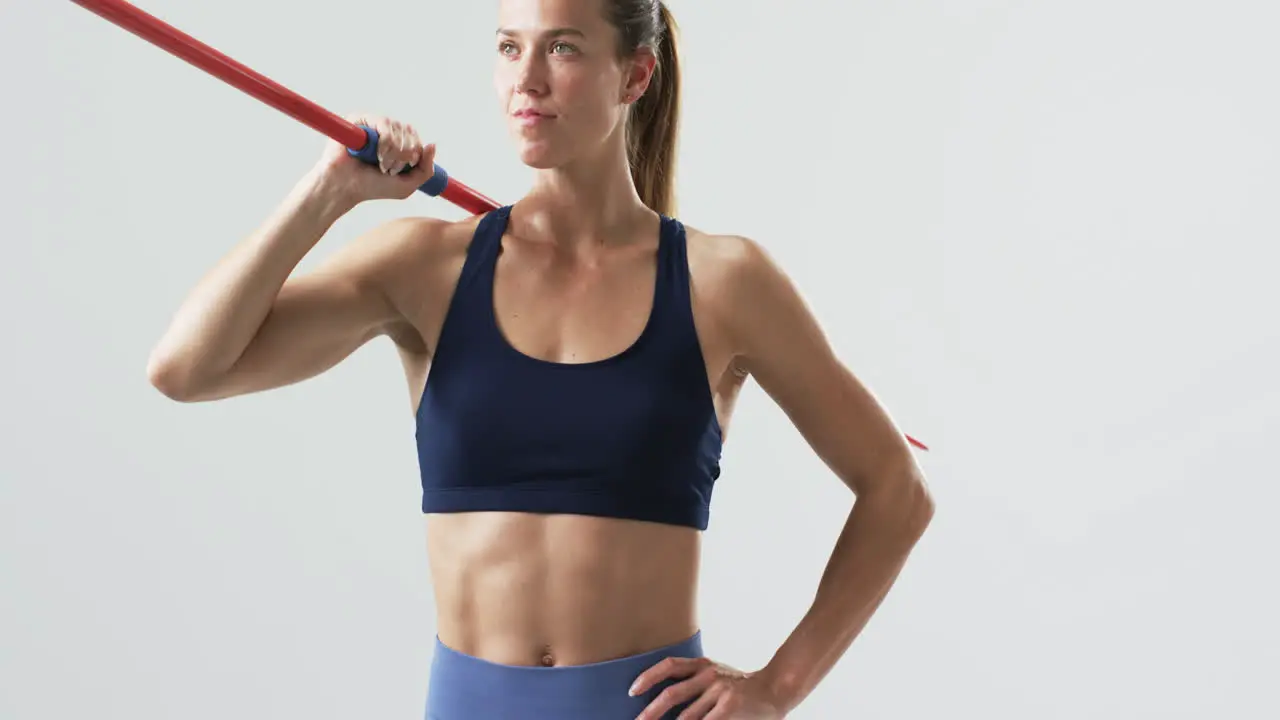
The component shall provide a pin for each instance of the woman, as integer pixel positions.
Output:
(585, 351)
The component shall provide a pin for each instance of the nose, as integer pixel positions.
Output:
(531, 76)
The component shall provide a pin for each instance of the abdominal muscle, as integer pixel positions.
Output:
(558, 590)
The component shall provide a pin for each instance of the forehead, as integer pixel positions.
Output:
(532, 17)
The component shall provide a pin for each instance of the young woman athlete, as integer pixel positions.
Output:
(584, 349)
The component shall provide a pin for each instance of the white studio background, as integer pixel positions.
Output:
(1043, 232)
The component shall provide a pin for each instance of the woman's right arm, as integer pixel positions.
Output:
(249, 326)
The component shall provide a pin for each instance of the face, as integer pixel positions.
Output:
(560, 80)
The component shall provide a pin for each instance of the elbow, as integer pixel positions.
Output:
(926, 509)
(920, 502)
(171, 378)
(913, 495)
(905, 497)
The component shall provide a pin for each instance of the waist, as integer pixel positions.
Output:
(537, 590)
(465, 686)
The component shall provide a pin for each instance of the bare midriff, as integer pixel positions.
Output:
(557, 590)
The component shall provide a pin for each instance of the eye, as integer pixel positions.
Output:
(564, 45)
(506, 47)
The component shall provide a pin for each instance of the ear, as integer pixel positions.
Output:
(639, 73)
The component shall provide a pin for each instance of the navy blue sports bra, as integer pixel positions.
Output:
(631, 436)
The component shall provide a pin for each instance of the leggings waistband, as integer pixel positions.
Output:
(464, 687)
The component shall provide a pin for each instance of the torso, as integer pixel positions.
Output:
(589, 588)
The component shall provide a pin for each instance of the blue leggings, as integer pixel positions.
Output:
(463, 687)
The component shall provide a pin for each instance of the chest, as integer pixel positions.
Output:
(560, 308)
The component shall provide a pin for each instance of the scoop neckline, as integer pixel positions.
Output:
(631, 349)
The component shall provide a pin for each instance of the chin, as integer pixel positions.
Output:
(540, 155)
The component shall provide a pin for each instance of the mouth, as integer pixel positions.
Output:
(529, 118)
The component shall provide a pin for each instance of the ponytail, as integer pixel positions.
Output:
(653, 123)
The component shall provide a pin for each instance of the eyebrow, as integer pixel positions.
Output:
(552, 32)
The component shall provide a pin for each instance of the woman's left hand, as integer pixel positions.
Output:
(718, 692)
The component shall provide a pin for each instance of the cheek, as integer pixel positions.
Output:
(502, 82)
(588, 94)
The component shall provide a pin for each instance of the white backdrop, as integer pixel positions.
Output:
(1043, 232)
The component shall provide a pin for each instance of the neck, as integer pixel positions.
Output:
(589, 201)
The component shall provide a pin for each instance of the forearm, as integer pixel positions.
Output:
(220, 316)
(871, 551)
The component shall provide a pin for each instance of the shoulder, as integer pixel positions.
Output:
(413, 263)
(738, 281)
(731, 269)
(398, 255)
(414, 240)
(727, 257)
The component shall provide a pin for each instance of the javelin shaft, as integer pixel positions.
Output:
(360, 140)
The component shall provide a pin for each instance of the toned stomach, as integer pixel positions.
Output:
(556, 590)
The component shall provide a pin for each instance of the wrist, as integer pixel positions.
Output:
(325, 195)
(784, 688)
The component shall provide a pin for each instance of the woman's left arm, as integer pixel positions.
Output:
(779, 342)
(785, 350)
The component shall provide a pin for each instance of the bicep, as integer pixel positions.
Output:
(321, 317)
(782, 345)
(315, 322)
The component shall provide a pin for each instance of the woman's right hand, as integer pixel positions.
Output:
(399, 146)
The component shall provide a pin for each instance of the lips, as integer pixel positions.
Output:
(529, 118)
